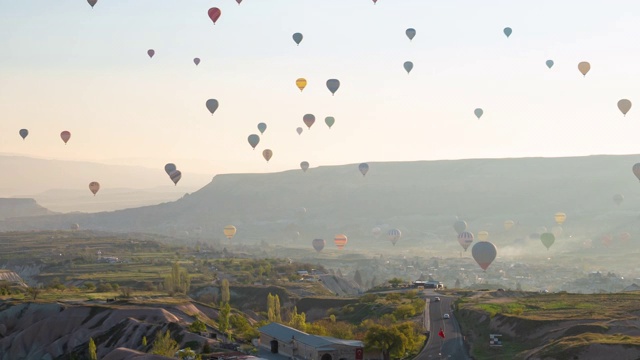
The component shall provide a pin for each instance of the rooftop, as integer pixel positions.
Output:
(286, 333)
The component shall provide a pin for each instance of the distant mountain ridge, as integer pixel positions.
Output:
(422, 199)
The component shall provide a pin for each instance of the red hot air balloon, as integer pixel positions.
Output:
(65, 136)
(94, 186)
(214, 14)
(151, 52)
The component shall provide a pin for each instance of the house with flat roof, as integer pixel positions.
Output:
(293, 343)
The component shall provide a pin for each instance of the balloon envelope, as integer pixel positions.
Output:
(547, 239)
(301, 83)
(460, 226)
(465, 239)
(394, 235)
(329, 120)
(549, 63)
(23, 133)
(175, 176)
(333, 85)
(304, 166)
(169, 168)
(364, 168)
(508, 224)
(636, 170)
(376, 231)
(65, 136)
(483, 235)
(151, 52)
(299, 130)
(408, 66)
(618, 199)
(254, 140)
(584, 67)
(340, 240)
(308, 120)
(229, 231)
(560, 217)
(624, 105)
(297, 37)
(196, 61)
(214, 14)
(411, 33)
(478, 112)
(507, 31)
(92, 2)
(267, 154)
(484, 253)
(318, 244)
(262, 127)
(212, 105)
(94, 186)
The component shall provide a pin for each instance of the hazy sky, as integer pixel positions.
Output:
(66, 66)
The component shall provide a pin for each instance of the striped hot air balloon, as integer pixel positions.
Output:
(394, 235)
(229, 231)
(340, 240)
(465, 239)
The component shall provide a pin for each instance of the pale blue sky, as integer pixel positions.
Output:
(65, 66)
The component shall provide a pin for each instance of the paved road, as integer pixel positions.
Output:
(452, 347)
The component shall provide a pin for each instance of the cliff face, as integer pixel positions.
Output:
(59, 330)
(11, 277)
(16, 207)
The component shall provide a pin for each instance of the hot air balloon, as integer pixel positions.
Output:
(175, 176)
(94, 186)
(169, 168)
(340, 240)
(465, 239)
(318, 244)
(507, 31)
(92, 3)
(238, 1)
(478, 112)
(509, 224)
(333, 85)
(560, 217)
(408, 65)
(411, 33)
(636, 170)
(229, 231)
(364, 168)
(374, 2)
(308, 120)
(483, 235)
(301, 83)
(23, 133)
(547, 239)
(65, 136)
(262, 127)
(584, 67)
(624, 237)
(484, 253)
(607, 240)
(618, 199)
(624, 105)
(299, 130)
(212, 105)
(394, 235)
(214, 14)
(549, 63)
(304, 166)
(196, 61)
(267, 154)
(376, 231)
(329, 120)
(460, 226)
(253, 140)
(75, 227)
(297, 37)
(151, 52)
(557, 231)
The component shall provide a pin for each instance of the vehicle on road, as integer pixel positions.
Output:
(446, 316)
(436, 299)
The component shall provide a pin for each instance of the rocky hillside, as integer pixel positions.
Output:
(12, 208)
(11, 277)
(59, 330)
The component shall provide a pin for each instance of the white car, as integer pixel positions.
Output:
(446, 316)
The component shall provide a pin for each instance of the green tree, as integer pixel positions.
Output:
(277, 309)
(388, 340)
(144, 341)
(93, 355)
(404, 311)
(298, 321)
(395, 282)
(271, 308)
(197, 326)
(223, 318)
(164, 345)
(178, 280)
(225, 294)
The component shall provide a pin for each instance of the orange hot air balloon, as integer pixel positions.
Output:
(340, 240)
(94, 186)
(229, 231)
(65, 136)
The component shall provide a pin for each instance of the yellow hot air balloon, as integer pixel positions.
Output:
(584, 67)
(509, 224)
(229, 231)
(560, 217)
(301, 83)
(483, 235)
